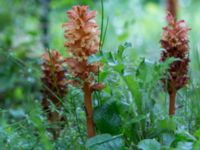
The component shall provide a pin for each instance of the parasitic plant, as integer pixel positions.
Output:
(55, 86)
(82, 35)
(172, 7)
(175, 44)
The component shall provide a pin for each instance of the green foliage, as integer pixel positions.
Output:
(149, 144)
(105, 142)
(107, 118)
(130, 113)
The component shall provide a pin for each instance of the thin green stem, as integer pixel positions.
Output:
(102, 26)
(104, 34)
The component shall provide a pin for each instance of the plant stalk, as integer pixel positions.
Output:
(172, 102)
(88, 109)
(172, 7)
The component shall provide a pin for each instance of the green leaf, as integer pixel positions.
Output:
(149, 144)
(103, 75)
(121, 50)
(136, 119)
(167, 139)
(105, 142)
(133, 87)
(107, 118)
(184, 136)
(184, 146)
(167, 124)
(119, 68)
(197, 133)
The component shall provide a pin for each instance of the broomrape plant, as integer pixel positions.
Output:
(175, 44)
(82, 34)
(55, 89)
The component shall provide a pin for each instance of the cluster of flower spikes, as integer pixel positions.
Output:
(175, 44)
(82, 36)
(55, 83)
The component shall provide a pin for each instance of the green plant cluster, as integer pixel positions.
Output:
(131, 113)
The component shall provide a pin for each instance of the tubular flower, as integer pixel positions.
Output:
(82, 34)
(175, 43)
(55, 84)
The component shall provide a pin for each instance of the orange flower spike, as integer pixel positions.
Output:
(81, 32)
(82, 36)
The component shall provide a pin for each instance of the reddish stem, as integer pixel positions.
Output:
(88, 109)
(172, 7)
(172, 102)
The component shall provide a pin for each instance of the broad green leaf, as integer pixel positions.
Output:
(167, 139)
(183, 136)
(166, 125)
(107, 118)
(186, 136)
(105, 142)
(149, 144)
(184, 146)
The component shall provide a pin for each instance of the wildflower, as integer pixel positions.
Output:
(55, 85)
(82, 34)
(175, 43)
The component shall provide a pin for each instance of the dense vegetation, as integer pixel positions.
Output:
(124, 78)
